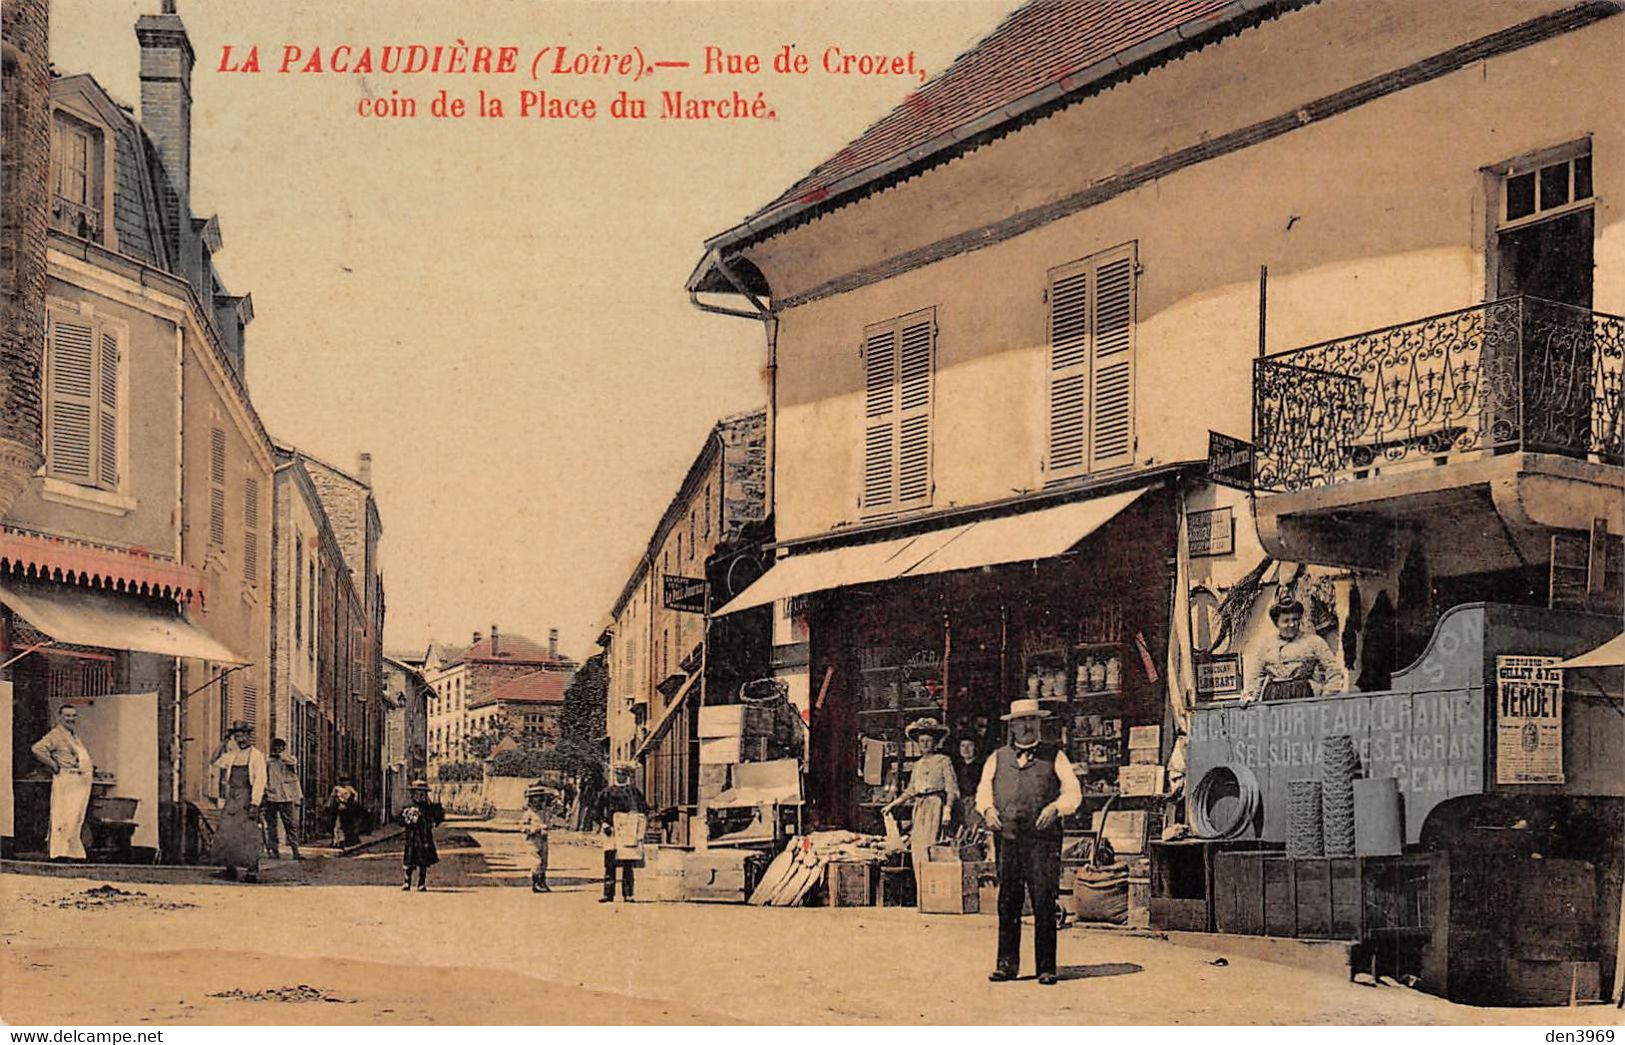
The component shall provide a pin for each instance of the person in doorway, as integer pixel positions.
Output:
(63, 752)
(620, 799)
(968, 769)
(345, 804)
(239, 840)
(420, 819)
(1027, 787)
(535, 825)
(1292, 664)
(933, 790)
(283, 795)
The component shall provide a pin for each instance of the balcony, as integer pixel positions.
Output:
(76, 219)
(1517, 405)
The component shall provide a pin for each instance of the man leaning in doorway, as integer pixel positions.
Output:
(1292, 664)
(63, 752)
(1027, 787)
(283, 794)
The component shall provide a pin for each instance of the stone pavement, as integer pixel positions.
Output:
(479, 947)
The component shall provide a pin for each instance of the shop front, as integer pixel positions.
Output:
(1063, 600)
(112, 656)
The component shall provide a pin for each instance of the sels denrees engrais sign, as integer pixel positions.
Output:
(684, 594)
(1229, 461)
(1528, 720)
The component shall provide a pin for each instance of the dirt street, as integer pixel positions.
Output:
(334, 941)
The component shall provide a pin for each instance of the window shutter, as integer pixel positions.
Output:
(217, 517)
(107, 470)
(251, 503)
(70, 422)
(914, 400)
(880, 418)
(1068, 369)
(1112, 406)
(251, 557)
(1091, 364)
(217, 456)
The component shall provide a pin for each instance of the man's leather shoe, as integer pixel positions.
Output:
(1000, 976)
(1047, 979)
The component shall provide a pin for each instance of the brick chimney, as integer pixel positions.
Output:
(363, 471)
(166, 95)
(494, 640)
(477, 637)
(25, 217)
(553, 643)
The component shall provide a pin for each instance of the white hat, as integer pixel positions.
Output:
(1024, 709)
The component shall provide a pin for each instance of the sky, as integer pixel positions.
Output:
(494, 308)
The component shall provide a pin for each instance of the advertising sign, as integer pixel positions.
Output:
(1218, 675)
(1528, 720)
(1211, 533)
(684, 594)
(1229, 461)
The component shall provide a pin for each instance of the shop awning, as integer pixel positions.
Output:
(1041, 534)
(1610, 654)
(841, 567)
(92, 618)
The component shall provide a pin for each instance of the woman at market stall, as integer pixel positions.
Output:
(238, 841)
(933, 788)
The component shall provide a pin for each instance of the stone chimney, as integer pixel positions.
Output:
(553, 643)
(494, 640)
(477, 637)
(363, 471)
(24, 221)
(166, 95)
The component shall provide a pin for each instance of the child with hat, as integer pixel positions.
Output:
(420, 819)
(534, 825)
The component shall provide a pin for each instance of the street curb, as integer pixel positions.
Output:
(394, 832)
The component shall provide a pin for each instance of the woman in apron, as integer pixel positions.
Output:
(65, 755)
(933, 787)
(239, 840)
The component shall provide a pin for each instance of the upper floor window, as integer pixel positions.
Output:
(251, 531)
(77, 181)
(899, 374)
(82, 400)
(217, 487)
(1545, 229)
(1091, 363)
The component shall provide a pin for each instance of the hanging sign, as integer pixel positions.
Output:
(683, 594)
(1528, 720)
(1230, 461)
(1211, 533)
(1218, 675)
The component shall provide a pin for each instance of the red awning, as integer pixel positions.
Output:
(69, 562)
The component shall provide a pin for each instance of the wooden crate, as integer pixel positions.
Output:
(850, 884)
(1268, 894)
(951, 886)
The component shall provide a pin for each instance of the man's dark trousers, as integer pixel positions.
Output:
(1029, 866)
(609, 876)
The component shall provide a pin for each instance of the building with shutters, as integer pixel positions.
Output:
(665, 660)
(1003, 324)
(134, 561)
(464, 704)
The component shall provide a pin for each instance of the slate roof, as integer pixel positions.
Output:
(539, 687)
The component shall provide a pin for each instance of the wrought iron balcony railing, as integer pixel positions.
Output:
(1518, 373)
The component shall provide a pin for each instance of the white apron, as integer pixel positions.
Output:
(70, 797)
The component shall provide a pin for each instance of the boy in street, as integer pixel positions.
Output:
(420, 819)
(282, 797)
(534, 825)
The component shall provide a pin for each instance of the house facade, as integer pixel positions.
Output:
(465, 703)
(660, 634)
(1009, 325)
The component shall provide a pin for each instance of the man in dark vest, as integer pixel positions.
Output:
(1027, 787)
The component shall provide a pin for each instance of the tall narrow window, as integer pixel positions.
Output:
(76, 177)
(298, 592)
(1091, 364)
(82, 401)
(310, 633)
(251, 531)
(899, 371)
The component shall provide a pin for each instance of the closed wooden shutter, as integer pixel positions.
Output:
(217, 455)
(251, 537)
(72, 409)
(107, 402)
(1112, 398)
(217, 517)
(251, 557)
(880, 418)
(899, 373)
(1091, 364)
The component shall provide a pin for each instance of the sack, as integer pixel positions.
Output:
(628, 832)
(1100, 894)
